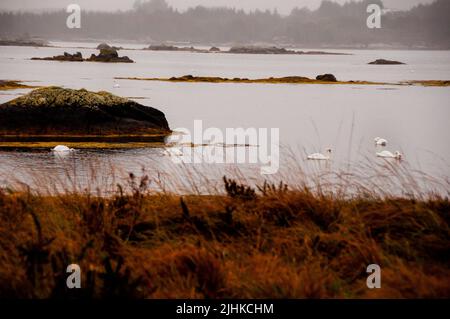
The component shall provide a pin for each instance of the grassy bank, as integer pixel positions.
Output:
(26, 142)
(271, 80)
(267, 241)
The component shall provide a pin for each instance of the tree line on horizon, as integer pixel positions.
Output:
(332, 24)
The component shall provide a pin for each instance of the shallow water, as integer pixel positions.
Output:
(415, 120)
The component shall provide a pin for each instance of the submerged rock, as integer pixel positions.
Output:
(76, 57)
(109, 55)
(326, 77)
(59, 111)
(386, 62)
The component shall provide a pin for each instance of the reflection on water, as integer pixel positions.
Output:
(101, 172)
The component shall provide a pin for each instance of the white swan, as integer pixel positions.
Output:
(62, 149)
(380, 141)
(116, 85)
(320, 156)
(172, 152)
(386, 154)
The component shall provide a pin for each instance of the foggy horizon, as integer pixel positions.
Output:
(285, 7)
(333, 24)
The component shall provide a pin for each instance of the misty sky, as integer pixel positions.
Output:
(283, 6)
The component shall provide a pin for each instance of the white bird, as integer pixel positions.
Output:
(62, 149)
(380, 141)
(116, 85)
(320, 156)
(386, 154)
(172, 152)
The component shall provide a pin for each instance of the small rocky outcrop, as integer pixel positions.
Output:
(106, 55)
(259, 50)
(23, 43)
(385, 62)
(59, 111)
(109, 55)
(76, 57)
(214, 49)
(326, 78)
(276, 50)
(164, 47)
(107, 46)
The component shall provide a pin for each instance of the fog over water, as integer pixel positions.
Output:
(283, 6)
(329, 24)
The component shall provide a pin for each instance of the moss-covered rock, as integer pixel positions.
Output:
(59, 111)
(326, 78)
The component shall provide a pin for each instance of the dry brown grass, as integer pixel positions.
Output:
(13, 85)
(270, 242)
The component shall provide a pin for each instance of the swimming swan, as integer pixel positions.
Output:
(386, 154)
(380, 141)
(62, 149)
(320, 156)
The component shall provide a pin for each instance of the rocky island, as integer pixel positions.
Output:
(324, 79)
(79, 118)
(240, 50)
(320, 79)
(23, 43)
(76, 57)
(386, 62)
(165, 47)
(107, 46)
(275, 50)
(108, 55)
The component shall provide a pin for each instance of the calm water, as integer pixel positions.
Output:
(415, 120)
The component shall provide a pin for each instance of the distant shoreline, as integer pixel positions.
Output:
(50, 43)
